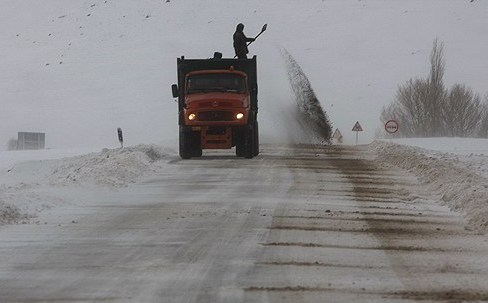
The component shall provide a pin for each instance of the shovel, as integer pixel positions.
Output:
(262, 31)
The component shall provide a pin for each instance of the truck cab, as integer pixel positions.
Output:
(216, 97)
(217, 106)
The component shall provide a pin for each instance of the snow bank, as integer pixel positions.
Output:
(460, 181)
(9, 213)
(113, 168)
(30, 187)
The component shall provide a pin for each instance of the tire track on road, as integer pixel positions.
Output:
(326, 245)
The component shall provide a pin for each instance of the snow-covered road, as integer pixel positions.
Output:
(296, 224)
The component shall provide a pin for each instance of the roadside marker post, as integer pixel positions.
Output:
(357, 128)
(121, 137)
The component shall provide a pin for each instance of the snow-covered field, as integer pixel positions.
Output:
(455, 170)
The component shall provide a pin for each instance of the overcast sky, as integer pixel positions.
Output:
(77, 70)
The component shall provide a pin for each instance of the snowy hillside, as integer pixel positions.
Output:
(77, 70)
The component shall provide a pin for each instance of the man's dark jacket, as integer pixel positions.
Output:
(240, 44)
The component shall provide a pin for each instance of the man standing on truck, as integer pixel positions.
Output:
(240, 42)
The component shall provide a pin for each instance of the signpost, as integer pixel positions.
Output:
(121, 137)
(357, 128)
(391, 126)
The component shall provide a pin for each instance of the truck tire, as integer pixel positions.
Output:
(197, 149)
(256, 138)
(190, 145)
(240, 150)
(249, 142)
(185, 148)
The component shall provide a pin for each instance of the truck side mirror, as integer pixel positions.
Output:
(174, 89)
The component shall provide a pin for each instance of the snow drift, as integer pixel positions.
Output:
(30, 187)
(462, 184)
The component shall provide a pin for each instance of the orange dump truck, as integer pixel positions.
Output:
(217, 106)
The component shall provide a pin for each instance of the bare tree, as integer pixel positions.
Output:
(437, 64)
(418, 103)
(425, 108)
(410, 108)
(436, 92)
(483, 131)
(463, 112)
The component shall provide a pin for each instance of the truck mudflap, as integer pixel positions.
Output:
(216, 137)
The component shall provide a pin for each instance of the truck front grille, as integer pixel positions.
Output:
(215, 116)
(214, 104)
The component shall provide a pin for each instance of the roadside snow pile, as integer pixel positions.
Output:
(21, 202)
(113, 168)
(460, 182)
(30, 187)
(10, 214)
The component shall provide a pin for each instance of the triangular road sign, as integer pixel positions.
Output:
(357, 127)
(337, 134)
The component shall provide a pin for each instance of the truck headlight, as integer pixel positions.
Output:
(192, 117)
(239, 116)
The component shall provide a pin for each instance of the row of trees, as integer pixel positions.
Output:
(426, 108)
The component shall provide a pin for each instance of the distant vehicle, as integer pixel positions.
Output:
(217, 105)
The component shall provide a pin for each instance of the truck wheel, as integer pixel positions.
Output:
(240, 143)
(197, 150)
(240, 149)
(190, 143)
(249, 142)
(185, 151)
(256, 139)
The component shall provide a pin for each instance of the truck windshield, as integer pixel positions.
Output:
(205, 83)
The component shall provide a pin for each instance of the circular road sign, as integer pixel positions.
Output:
(391, 126)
